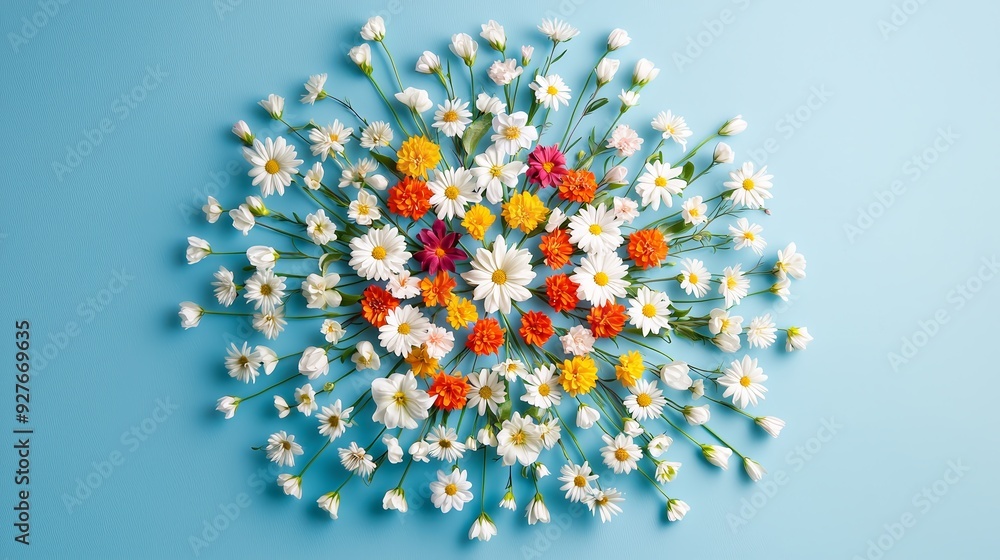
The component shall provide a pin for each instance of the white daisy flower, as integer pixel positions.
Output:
(243, 364)
(305, 396)
(620, 453)
(332, 331)
(452, 117)
(452, 190)
(541, 388)
(649, 311)
(734, 285)
(761, 333)
(364, 211)
(551, 91)
(604, 502)
(558, 30)
(329, 140)
(500, 275)
(673, 127)
(646, 401)
(790, 263)
(314, 89)
(486, 391)
(272, 165)
(749, 189)
(376, 135)
(270, 323)
(356, 175)
(444, 444)
(282, 449)
(694, 210)
(356, 460)
(601, 278)
(519, 441)
(550, 433)
(492, 174)
(743, 381)
(225, 286)
(578, 341)
(404, 285)
(694, 277)
(399, 402)
(746, 234)
(595, 229)
(320, 228)
(659, 184)
(719, 321)
(512, 132)
(334, 420)
(404, 328)
(511, 369)
(265, 290)
(379, 254)
(451, 491)
(577, 479)
(365, 356)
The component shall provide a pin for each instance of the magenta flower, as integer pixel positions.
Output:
(546, 166)
(439, 251)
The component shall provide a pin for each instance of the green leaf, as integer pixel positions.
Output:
(595, 105)
(387, 162)
(687, 172)
(556, 59)
(474, 134)
(349, 299)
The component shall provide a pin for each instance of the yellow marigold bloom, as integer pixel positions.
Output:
(524, 211)
(579, 375)
(420, 362)
(416, 156)
(461, 312)
(629, 368)
(477, 220)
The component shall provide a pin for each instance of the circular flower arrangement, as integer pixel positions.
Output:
(485, 285)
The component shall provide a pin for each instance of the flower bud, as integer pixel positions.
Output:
(733, 126)
(644, 72)
(723, 153)
(362, 56)
(606, 70)
(618, 39)
(374, 29)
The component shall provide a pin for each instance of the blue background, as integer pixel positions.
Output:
(840, 96)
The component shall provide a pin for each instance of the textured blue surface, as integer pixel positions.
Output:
(873, 115)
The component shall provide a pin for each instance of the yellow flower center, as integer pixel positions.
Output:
(518, 437)
(499, 277)
(496, 170)
(579, 481)
(451, 193)
(601, 279)
(272, 166)
(748, 184)
(333, 421)
(265, 290)
(731, 283)
(649, 310)
(444, 444)
(379, 252)
(693, 278)
(725, 325)
(439, 252)
(595, 229)
(286, 445)
(449, 116)
(644, 400)
(694, 213)
(552, 90)
(548, 166)
(621, 454)
(544, 389)
(749, 236)
(485, 393)
(745, 381)
(602, 501)
(403, 328)
(363, 209)
(399, 398)
(512, 133)
(451, 489)
(660, 181)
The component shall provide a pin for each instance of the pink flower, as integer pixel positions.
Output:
(546, 166)
(439, 250)
(625, 140)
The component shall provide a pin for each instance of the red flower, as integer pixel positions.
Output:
(546, 166)
(536, 328)
(449, 391)
(561, 292)
(376, 303)
(607, 320)
(410, 198)
(439, 250)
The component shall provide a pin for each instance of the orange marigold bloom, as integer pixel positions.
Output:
(647, 247)
(561, 291)
(536, 328)
(556, 248)
(376, 303)
(420, 361)
(607, 320)
(486, 337)
(578, 186)
(449, 391)
(437, 290)
(410, 198)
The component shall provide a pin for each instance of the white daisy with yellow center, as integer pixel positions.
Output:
(452, 117)
(743, 380)
(273, 162)
(541, 388)
(404, 328)
(620, 453)
(660, 183)
(601, 278)
(452, 190)
(649, 311)
(645, 400)
(329, 140)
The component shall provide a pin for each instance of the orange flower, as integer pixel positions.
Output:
(410, 198)
(561, 292)
(486, 337)
(536, 328)
(376, 303)
(607, 320)
(578, 186)
(437, 290)
(556, 248)
(420, 361)
(449, 391)
(647, 247)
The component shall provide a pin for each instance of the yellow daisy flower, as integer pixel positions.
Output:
(524, 211)
(420, 362)
(629, 368)
(477, 220)
(579, 375)
(461, 312)
(416, 156)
